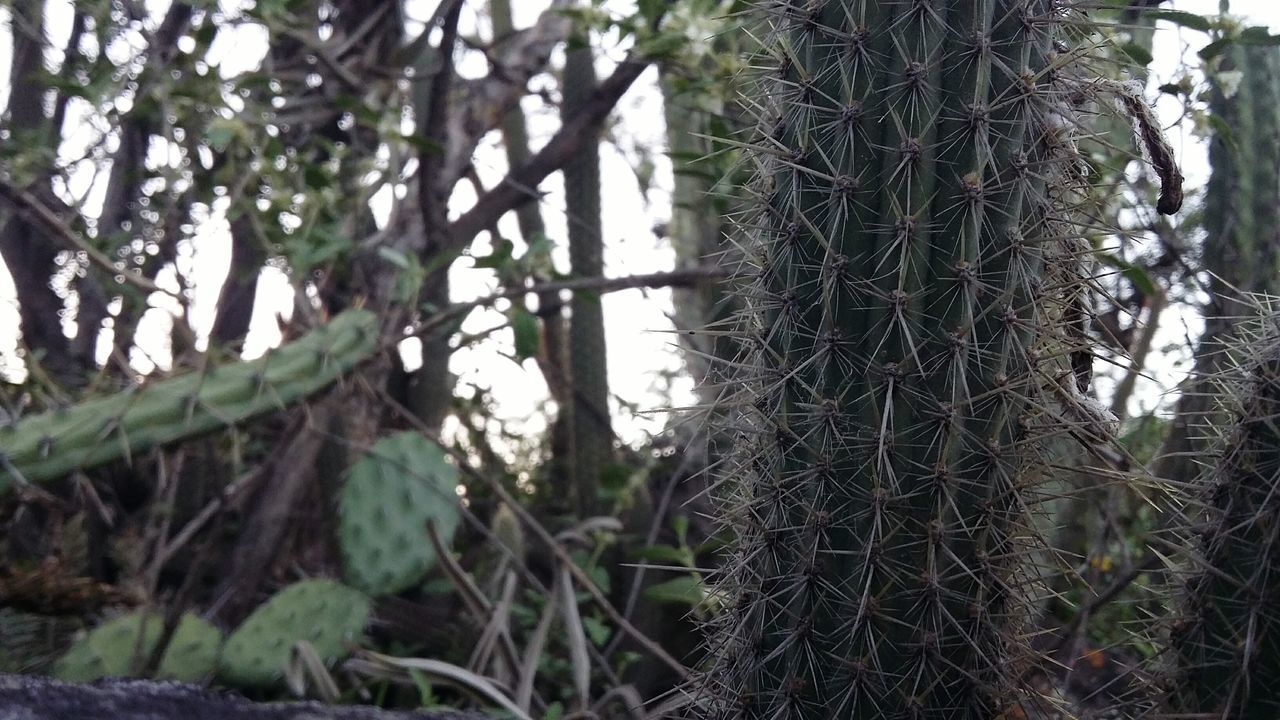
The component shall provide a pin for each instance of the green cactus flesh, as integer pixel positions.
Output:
(325, 613)
(1242, 215)
(110, 649)
(100, 430)
(906, 270)
(393, 491)
(1226, 641)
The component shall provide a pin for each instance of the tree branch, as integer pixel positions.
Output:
(687, 277)
(37, 213)
(516, 188)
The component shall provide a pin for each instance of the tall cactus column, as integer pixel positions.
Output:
(1242, 226)
(908, 262)
(1226, 643)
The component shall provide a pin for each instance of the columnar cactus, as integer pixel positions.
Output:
(1242, 232)
(54, 443)
(909, 273)
(1226, 642)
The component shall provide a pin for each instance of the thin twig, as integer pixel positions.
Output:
(1138, 354)
(513, 191)
(37, 213)
(675, 278)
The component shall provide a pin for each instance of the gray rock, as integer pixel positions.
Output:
(32, 697)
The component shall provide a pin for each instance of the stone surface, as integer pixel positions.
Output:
(32, 697)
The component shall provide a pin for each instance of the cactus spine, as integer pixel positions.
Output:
(1224, 643)
(907, 266)
(54, 443)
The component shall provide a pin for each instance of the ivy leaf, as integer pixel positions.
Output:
(525, 327)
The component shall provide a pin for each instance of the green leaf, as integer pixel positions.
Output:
(683, 590)
(221, 132)
(1135, 274)
(1137, 53)
(497, 259)
(662, 554)
(649, 9)
(394, 256)
(614, 477)
(426, 693)
(1214, 49)
(596, 630)
(1183, 18)
(525, 327)
(680, 523)
(662, 45)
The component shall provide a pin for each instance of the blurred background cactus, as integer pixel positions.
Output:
(1241, 250)
(1225, 638)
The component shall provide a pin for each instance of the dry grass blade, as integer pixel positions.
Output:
(449, 673)
(577, 637)
(628, 695)
(479, 606)
(306, 663)
(497, 629)
(533, 653)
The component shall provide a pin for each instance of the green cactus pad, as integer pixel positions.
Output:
(108, 650)
(325, 613)
(52, 444)
(392, 492)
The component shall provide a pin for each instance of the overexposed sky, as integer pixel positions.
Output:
(637, 327)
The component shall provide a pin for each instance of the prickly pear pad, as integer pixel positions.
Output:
(323, 612)
(393, 491)
(108, 650)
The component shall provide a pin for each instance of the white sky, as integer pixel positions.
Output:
(637, 327)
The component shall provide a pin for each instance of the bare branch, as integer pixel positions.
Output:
(514, 190)
(687, 277)
(37, 213)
